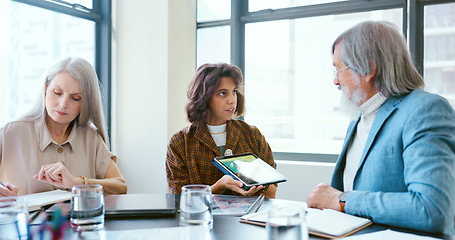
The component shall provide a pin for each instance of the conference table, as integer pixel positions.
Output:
(224, 228)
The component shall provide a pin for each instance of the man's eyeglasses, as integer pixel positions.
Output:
(335, 72)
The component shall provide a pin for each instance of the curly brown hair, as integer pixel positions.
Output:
(204, 85)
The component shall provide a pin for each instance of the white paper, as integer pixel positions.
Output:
(37, 200)
(389, 235)
(173, 233)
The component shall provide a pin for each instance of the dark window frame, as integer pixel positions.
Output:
(100, 14)
(413, 26)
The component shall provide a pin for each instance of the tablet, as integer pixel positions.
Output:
(249, 169)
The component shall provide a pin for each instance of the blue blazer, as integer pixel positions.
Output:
(406, 173)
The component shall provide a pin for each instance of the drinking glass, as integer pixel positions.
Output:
(13, 218)
(196, 206)
(87, 207)
(287, 223)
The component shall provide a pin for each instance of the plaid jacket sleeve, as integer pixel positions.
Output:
(176, 167)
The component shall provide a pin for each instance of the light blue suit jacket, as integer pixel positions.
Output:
(406, 174)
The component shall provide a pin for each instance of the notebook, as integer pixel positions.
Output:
(37, 201)
(325, 223)
(132, 205)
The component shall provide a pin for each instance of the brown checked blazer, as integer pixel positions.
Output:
(190, 151)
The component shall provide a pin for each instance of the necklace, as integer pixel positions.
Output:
(218, 132)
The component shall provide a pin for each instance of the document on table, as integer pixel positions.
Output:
(389, 235)
(36, 201)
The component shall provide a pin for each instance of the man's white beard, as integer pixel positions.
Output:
(350, 107)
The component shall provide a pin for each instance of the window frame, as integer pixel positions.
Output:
(100, 14)
(413, 27)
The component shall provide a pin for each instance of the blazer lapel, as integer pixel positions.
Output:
(203, 135)
(383, 113)
(337, 178)
(232, 136)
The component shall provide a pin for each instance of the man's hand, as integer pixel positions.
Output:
(324, 196)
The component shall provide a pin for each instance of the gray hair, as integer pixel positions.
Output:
(381, 44)
(91, 109)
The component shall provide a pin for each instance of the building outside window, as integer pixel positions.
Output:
(289, 90)
(34, 37)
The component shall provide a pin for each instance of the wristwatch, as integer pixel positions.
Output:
(342, 199)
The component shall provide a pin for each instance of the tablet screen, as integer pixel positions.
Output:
(251, 169)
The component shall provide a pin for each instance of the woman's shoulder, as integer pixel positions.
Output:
(184, 132)
(17, 125)
(89, 131)
(240, 124)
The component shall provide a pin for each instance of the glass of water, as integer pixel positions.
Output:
(13, 218)
(195, 206)
(287, 223)
(87, 207)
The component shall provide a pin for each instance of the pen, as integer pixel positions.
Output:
(2, 184)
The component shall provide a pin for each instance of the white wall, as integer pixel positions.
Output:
(154, 58)
(302, 178)
(182, 60)
(140, 43)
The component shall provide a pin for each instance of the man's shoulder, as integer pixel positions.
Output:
(422, 95)
(421, 99)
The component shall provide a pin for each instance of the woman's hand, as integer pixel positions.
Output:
(227, 182)
(57, 175)
(7, 189)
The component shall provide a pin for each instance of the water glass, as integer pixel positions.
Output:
(13, 218)
(196, 206)
(87, 207)
(287, 223)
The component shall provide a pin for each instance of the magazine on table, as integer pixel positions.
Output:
(235, 205)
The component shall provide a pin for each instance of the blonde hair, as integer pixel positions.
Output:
(91, 109)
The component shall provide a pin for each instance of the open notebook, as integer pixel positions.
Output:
(324, 223)
(37, 201)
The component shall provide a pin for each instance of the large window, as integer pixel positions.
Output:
(284, 50)
(439, 50)
(35, 34)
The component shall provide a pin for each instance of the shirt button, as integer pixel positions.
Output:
(60, 150)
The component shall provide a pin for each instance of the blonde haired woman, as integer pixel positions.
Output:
(62, 142)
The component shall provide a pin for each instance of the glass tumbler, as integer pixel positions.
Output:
(13, 218)
(196, 206)
(287, 223)
(87, 207)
